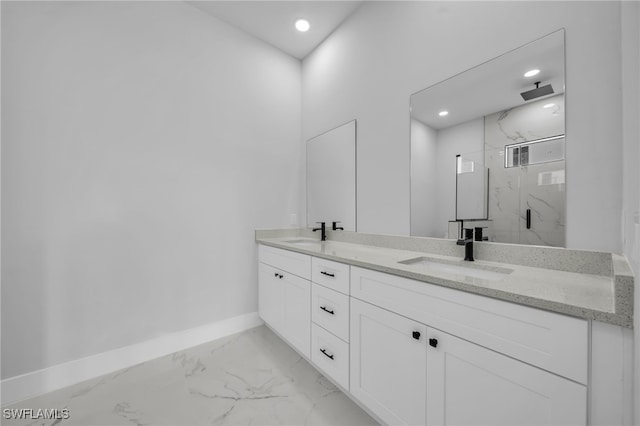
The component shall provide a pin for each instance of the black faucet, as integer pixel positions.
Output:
(478, 234)
(336, 227)
(467, 242)
(323, 234)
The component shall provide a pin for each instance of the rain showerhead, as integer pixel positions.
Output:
(537, 92)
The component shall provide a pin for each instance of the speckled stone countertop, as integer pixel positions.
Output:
(585, 284)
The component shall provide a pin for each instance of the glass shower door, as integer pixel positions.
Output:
(525, 152)
(534, 211)
(542, 204)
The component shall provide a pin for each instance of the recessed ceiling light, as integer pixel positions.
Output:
(549, 105)
(531, 73)
(443, 113)
(302, 25)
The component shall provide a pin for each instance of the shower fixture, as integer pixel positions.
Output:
(537, 92)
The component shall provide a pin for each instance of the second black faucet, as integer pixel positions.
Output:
(467, 242)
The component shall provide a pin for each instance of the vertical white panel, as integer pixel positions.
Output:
(424, 182)
(331, 177)
(466, 139)
(611, 401)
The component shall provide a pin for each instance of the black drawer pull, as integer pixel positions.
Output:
(324, 308)
(327, 274)
(326, 354)
(277, 275)
(416, 335)
(433, 343)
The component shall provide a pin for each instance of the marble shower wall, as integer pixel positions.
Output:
(539, 187)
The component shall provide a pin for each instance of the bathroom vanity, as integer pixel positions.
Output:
(417, 336)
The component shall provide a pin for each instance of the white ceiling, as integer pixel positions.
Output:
(273, 21)
(492, 86)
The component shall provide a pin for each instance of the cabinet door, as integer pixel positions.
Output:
(296, 311)
(469, 384)
(388, 364)
(270, 296)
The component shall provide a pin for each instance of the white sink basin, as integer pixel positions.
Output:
(484, 272)
(305, 242)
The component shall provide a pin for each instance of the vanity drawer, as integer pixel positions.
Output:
(295, 263)
(330, 274)
(331, 355)
(554, 342)
(330, 310)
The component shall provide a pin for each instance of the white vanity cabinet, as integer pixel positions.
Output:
(414, 353)
(388, 364)
(284, 295)
(407, 372)
(330, 319)
(469, 384)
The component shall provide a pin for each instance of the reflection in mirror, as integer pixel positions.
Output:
(331, 177)
(487, 149)
(471, 187)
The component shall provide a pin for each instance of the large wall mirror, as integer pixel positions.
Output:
(331, 177)
(488, 149)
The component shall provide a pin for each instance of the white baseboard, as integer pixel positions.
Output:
(39, 382)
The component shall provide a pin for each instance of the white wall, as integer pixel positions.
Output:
(631, 149)
(424, 179)
(142, 144)
(388, 50)
(465, 138)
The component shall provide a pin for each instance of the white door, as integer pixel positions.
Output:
(270, 296)
(296, 311)
(472, 385)
(388, 364)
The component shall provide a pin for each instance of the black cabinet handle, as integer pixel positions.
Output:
(277, 275)
(433, 343)
(416, 335)
(324, 308)
(528, 218)
(326, 354)
(327, 274)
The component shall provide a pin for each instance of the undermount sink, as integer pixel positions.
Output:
(484, 272)
(305, 242)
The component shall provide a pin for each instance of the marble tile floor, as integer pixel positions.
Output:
(251, 378)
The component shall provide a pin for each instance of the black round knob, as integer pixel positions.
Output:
(416, 335)
(433, 343)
